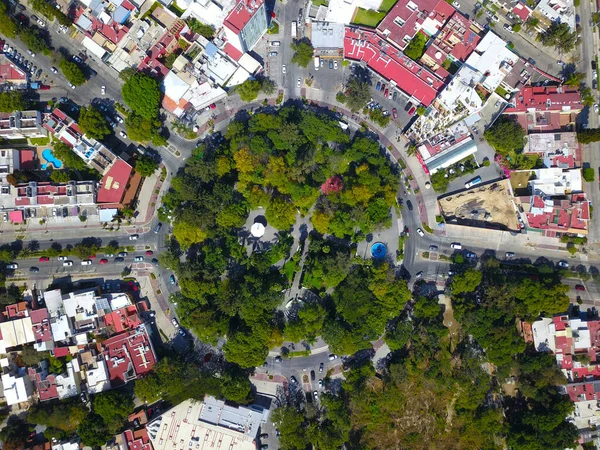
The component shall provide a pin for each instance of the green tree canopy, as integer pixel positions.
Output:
(248, 90)
(66, 154)
(15, 433)
(8, 26)
(203, 29)
(358, 93)
(13, 101)
(93, 123)
(141, 129)
(142, 94)
(32, 38)
(559, 36)
(113, 407)
(416, 46)
(72, 72)
(506, 136)
(146, 165)
(93, 431)
(466, 281)
(303, 52)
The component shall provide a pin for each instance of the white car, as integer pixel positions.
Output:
(5, 48)
(299, 82)
(563, 264)
(71, 85)
(283, 68)
(335, 64)
(86, 262)
(596, 108)
(456, 246)
(123, 134)
(62, 258)
(420, 232)
(119, 119)
(138, 258)
(31, 53)
(174, 322)
(103, 90)
(12, 266)
(53, 70)
(134, 237)
(67, 263)
(508, 28)
(456, 5)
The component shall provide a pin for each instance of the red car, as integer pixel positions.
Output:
(579, 287)
(411, 111)
(213, 106)
(394, 113)
(44, 259)
(104, 261)
(149, 253)
(385, 94)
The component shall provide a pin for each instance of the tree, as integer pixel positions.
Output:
(188, 233)
(587, 98)
(13, 101)
(72, 72)
(208, 31)
(69, 158)
(34, 41)
(93, 431)
(113, 407)
(290, 424)
(466, 282)
(516, 27)
(93, 123)
(505, 136)
(416, 47)
(248, 90)
(62, 417)
(146, 165)
(358, 93)
(142, 94)
(560, 36)
(141, 129)
(60, 176)
(303, 52)
(268, 86)
(15, 434)
(235, 386)
(588, 174)
(575, 79)
(281, 214)
(589, 135)
(247, 348)
(8, 26)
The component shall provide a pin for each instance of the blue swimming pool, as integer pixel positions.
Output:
(50, 159)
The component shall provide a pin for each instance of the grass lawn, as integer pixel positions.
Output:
(40, 141)
(368, 17)
(290, 270)
(274, 28)
(320, 3)
(386, 5)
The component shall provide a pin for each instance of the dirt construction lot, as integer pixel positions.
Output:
(490, 203)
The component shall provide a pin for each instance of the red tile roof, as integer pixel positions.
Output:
(41, 325)
(16, 216)
(409, 76)
(113, 184)
(241, 15)
(26, 159)
(128, 355)
(522, 11)
(10, 72)
(137, 440)
(123, 319)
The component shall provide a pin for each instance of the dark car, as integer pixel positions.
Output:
(386, 93)
(34, 269)
(409, 204)
(312, 375)
(321, 366)
(394, 96)
(264, 436)
(579, 287)
(154, 261)
(378, 86)
(172, 279)
(331, 64)
(293, 380)
(119, 259)
(593, 65)
(158, 227)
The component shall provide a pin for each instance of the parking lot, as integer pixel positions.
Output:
(400, 102)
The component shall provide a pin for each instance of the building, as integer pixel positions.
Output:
(556, 149)
(21, 125)
(210, 421)
(522, 11)
(128, 355)
(95, 372)
(246, 24)
(11, 74)
(44, 194)
(447, 148)
(115, 183)
(210, 12)
(343, 11)
(327, 37)
(408, 17)
(559, 215)
(17, 388)
(183, 92)
(414, 80)
(562, 11)
(16, 332)
(42, 331)
(546, 108)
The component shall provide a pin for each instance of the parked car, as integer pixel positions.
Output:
(122, 254)
(412, 110)
(409, 204)
(175, 322)
(433, 248)
(385, 94)
(312, 375)
(44, 259)
(330, 64)
(119, 259)
(154, 262)
(86, 262)
(335, 65)
(54, 69)
(134, 237)
(275, 43)
(299, 82)
(420, 232)
(378, 86)
(149, 253)
(293, 379)
(12, 266)
(157, 227)
(395, 96)
(172, 279)
(508, 28)
(509, 255)
(104, 261)
(332, 356)
(122, 134)
(34, 269)
(67, 263)
(283, 68)
(138, 258)
(62, 258)
(272, 53)
(456, 246)
(579, 287)
(264, 436)
(394, 111)
(563, 264)
(103, 90)
(471, 255)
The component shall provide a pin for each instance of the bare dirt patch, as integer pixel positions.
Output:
(491, 203)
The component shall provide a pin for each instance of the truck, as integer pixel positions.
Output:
(473, 182)
(294, 30)
(317, 62)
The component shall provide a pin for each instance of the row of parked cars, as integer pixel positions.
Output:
(27, 65)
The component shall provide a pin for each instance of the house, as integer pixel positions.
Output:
(408, 17)
(11, 74)
(94, 371)
(446, 148)
(561, 149)
(555, 216)
(562, 11)
(115, 183)
(17, 388)
(198, 421)
(128, 355)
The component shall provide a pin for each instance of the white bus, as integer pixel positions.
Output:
(294, 30)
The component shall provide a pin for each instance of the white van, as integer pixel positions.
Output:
(456, 246)
(86, 262)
